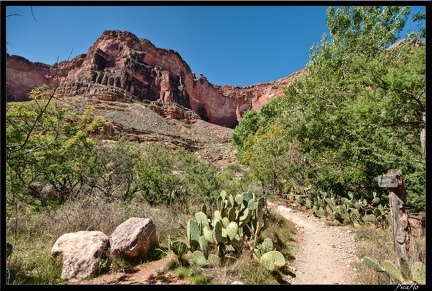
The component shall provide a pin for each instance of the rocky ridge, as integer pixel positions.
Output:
(121, 67)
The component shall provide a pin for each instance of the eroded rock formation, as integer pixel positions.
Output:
(122, 67)
(22, 76)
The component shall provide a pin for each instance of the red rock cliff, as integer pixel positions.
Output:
(120, 66)
(23, 75)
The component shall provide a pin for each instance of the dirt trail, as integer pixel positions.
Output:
(324, 254)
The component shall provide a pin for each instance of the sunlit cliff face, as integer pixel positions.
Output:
(121, 67)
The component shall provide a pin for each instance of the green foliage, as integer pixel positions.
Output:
(193, 274)
(164, 177)
(366, 29)
(236, 223)
(30, 264)
(249, 125)
(115, 177)
(234, 178)
(47, 145)
(354, 113)
(179, 248)
(418, 18)
(155, 178)
(50, 147)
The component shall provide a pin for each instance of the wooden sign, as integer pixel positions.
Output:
(388, 181)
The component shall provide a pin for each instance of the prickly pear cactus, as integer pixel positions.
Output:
(192, 231)
(232, 214)
(244, 216)
(320, 212)
(376, 200)
(248, 196)
(208, 234)
(202, 219)
(218, 232)
(199, 258)
(418, 272)
(239, 199)
(236, 220)
(213, 260)
(267, 245)
(373, 263)
(203, 243)
(252, 204)
(179, 248)
(308, 203)
(265, 255)
(232, 229)
(401, 273)
(204, 209)
(272, 260)
(393, 271)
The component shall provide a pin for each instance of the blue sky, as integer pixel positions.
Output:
(232, 45)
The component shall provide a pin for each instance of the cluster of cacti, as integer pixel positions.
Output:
(402, 273)
(236, 220)
(343, 210)
(265, 254)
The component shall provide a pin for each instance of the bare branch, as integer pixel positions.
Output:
(415, 97)
(16, 14)
(31, 9)
(70, 54)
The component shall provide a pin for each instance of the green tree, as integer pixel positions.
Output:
(174, 178)
(365, 101)
(264, 153)
(249, 124)
(116, 176)
(47, 146)
(357, 110)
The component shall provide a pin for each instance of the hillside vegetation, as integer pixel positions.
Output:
(357, 111)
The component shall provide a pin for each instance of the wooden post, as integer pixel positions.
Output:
(397, 199)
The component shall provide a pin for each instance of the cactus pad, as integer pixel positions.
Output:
(373, 263)
(193, 230)
(231, 230)
(393, 271)
(267, 245)
(199, 258)
(201, 218)
(239, 199)
(418, 272)
(179, 248)
(272, 260)
(208, 234)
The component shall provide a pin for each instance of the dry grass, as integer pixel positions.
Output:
(374, 243)
(378, 244)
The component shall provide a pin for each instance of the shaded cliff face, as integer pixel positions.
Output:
(23, 75)
(122, 67)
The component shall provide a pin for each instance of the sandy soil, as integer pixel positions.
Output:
(324, 254)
